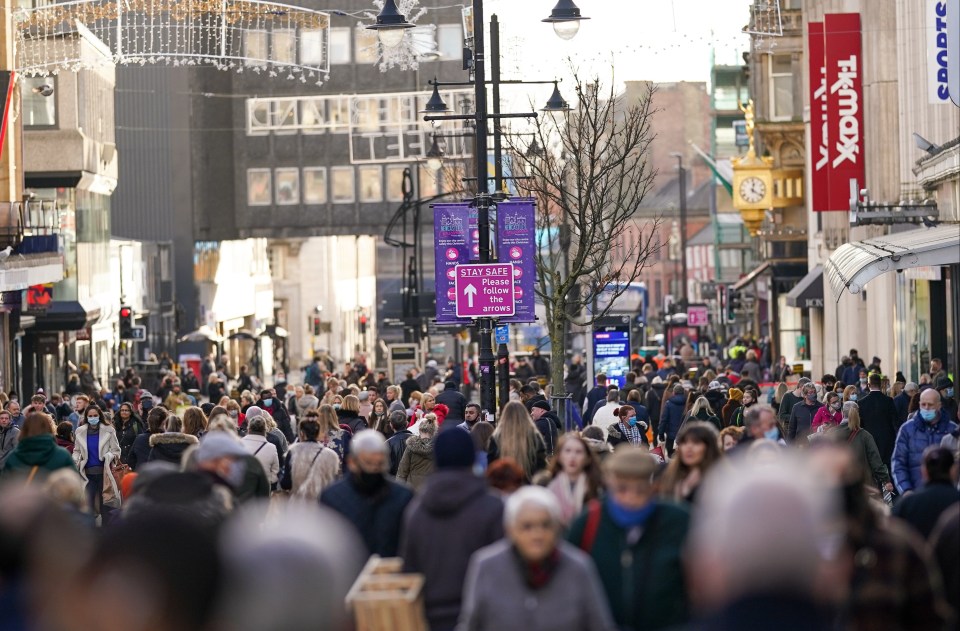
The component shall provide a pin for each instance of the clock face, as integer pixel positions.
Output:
(753, 190)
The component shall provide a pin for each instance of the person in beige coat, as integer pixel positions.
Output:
(255, 442)
(95, 449)
(417, 461)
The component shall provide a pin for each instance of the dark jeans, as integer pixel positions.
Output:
(95, 496)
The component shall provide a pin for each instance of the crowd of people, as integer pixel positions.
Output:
(695, 497)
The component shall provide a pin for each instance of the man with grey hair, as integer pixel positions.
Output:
(801, 416)
(367, 498)
(742, 574)
(759, 423)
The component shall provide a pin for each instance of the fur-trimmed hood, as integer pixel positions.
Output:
(420, 446)
(173, 438)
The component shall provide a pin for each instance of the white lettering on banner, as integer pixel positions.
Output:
(848, 143)
(938, 58)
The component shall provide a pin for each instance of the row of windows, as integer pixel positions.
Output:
(288, 186)
(280, 46)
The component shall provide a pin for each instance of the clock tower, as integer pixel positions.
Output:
(752, 180)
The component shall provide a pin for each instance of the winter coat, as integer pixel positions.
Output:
(617, 434)
(451, 501)
(140, 451)
(169, 446)
(652, 401)
(549, 427)
(728, 411)
(397, 445)
(672, 417)
(922, 509)
(916, 435)
(352, 420)
(497, 595)
(824, 417)
(417, 461)
(574, 382)
(801, 420)
(604, 416)
(8, 442)
(378, 518)
(278, 440)
(306, 402)
(787, 403)
(109, 452)
(864, 449)
(752, 369)
(127, 435)
(878, 415)
(596, 394)
(191, 494)
(38, 451)
(456, 403)
(649, 592)
(265, 453)
(339, 441)
(902, 403)
(705, 417)
(277, 410)
(309, 469)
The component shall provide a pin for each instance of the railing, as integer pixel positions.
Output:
(30, 227)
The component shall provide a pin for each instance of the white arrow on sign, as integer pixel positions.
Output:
(470, 291)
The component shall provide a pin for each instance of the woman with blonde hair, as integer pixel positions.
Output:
(701, 410)
(517, 437)
(575, 476)
(863, 446)
(850, 393)
(331, 434)
(194, 422)
(349, 414)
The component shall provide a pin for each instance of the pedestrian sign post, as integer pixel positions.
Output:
(698, 315)
(502, 334)
(485, 290)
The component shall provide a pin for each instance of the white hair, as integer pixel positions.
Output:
(368, 441)
(530, 496)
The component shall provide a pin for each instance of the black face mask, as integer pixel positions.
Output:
(369, 483)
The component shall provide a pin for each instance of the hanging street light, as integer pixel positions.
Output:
(391, 25)
(435, 155)
(565, 18)
(556, 102)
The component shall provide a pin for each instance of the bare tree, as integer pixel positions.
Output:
(589, 173)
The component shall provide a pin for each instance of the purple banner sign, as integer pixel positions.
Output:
(451, 247)
(516, 243)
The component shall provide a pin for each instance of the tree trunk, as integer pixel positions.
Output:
(558, 351)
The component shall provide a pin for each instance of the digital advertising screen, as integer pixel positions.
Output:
(611, 353)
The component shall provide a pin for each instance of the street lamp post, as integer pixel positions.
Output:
(390, 26)
(682, 181)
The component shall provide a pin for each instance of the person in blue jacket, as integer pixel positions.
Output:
(925, 428)
(672, 417)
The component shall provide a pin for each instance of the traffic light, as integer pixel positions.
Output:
(126, 323)
(732, 304)
(316, 325)
(363, 324)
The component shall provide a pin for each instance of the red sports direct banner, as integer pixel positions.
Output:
(819, 151)
(844, 75)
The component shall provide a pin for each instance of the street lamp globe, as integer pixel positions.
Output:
(565, 18)
(435, 155)
(391, 25)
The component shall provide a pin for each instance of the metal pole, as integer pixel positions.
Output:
(484, 326)
(683, 229)
(495, 82)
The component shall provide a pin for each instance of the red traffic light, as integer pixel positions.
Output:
(125, 312)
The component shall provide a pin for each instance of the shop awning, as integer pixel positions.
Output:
(808, 293)
(853, 265)
(752, 276)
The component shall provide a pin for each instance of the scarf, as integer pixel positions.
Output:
(628, 518)
(569, 496)
(538, 574)
(631, 432)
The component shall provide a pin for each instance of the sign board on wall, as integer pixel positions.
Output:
(943, 51)
(836, 109)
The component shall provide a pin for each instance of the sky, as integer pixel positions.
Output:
(658, 40)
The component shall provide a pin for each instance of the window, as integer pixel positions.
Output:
(395, 182)
(781, 87)
(39, 110)
(255, 47)
(314, 185)
(339, 46)
(450, 42)
(371, 184)
(284, 47)
(340, 114)
(259, 187)
(311, 48)
(367, 45)
(288, 186)
(367, 114)
(342, 185)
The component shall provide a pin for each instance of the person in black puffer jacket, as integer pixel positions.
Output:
(672, 417)
(170, 445)
(349, 414)
(140, 452)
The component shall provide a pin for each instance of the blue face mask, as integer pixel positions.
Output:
(93, 420)
(928, 415)
(268, 402)
(949, 394)
(629, 518)
(772, 434)
(853, 397)
(633, 421)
